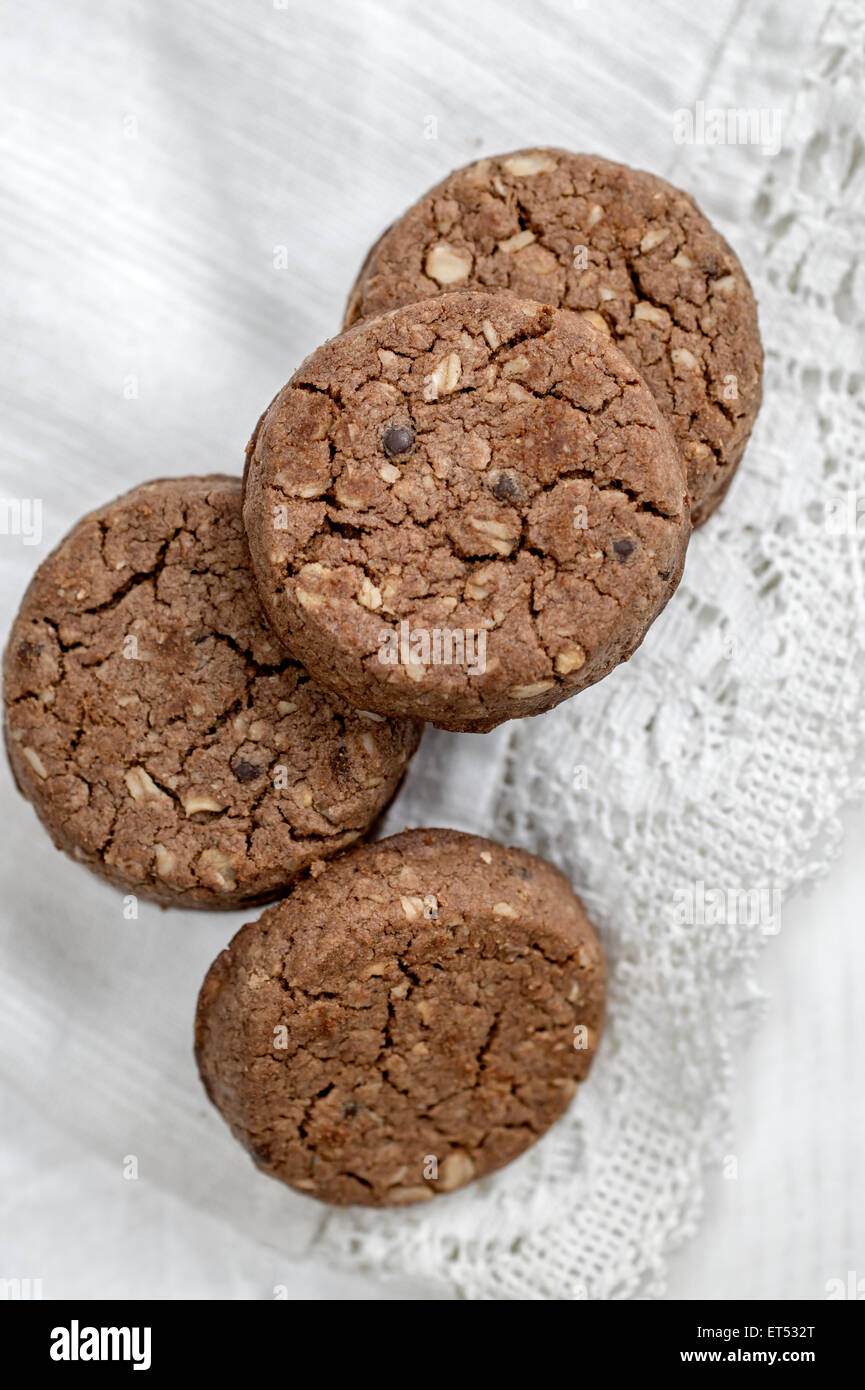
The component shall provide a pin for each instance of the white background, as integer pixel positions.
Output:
(157, 161)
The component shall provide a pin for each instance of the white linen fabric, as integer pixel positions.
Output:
(188, 191)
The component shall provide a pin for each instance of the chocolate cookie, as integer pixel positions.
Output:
(630, 252)
(412, 1018)
(163, 736)
(465, 510)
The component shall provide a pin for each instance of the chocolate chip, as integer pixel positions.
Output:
(340, 764)
(505, 488)
(397, 439)
(245, 772)
(349, 1108)
(624, 548)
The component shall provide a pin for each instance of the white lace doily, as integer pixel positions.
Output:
(719, 757)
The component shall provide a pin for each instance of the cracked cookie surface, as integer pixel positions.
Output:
(465, 510)
(412, 1018)
(625, 248)
(163, 735)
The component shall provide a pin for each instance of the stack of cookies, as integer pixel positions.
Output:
(468, 506)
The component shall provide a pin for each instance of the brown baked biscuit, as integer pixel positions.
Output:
(465, 510)
(628, 250)
(163, 736)
(414, 1017)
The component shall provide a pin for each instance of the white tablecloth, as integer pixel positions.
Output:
(188, 191)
